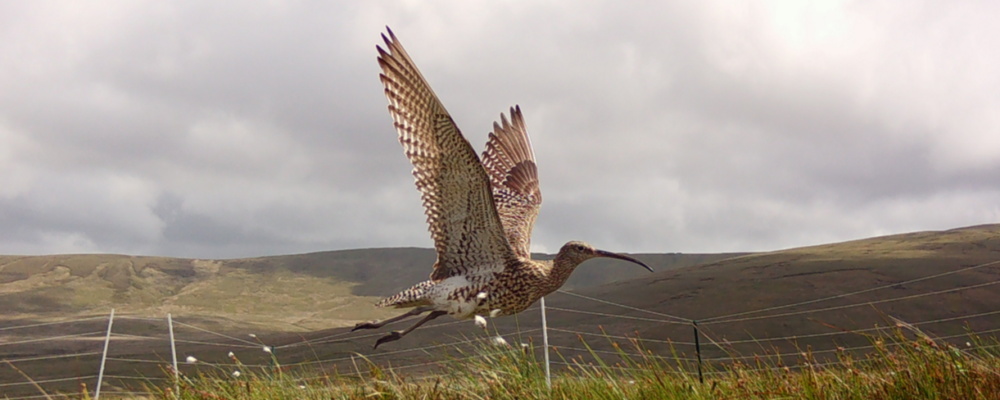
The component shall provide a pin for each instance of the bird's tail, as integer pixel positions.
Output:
(412, 297)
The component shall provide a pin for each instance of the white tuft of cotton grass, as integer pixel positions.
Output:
(480, 321)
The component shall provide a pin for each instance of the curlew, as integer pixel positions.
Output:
(480, 212)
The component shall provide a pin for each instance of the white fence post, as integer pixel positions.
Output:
(173, 352)
(545, 344)
(104, 357)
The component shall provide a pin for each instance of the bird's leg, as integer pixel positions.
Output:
(396, 335)
(378, 324)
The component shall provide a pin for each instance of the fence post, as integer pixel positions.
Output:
(104, 356)
(545, 344)
(173, 352)
(697, 350)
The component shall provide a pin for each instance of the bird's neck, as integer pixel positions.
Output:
(559, 272)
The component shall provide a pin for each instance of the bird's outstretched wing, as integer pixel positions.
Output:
(455, 189)
(510, 163)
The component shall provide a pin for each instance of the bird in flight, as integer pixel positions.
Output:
(480, 211)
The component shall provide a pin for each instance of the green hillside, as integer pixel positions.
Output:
(280, 293)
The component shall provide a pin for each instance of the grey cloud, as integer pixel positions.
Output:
(199, 130)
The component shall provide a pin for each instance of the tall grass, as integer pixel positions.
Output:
(905, 364)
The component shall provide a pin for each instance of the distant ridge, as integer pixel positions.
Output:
(324, 290)
(281, 293)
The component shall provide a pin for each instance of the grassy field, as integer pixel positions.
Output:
(905, 364)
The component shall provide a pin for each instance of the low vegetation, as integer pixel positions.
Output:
(905, 364)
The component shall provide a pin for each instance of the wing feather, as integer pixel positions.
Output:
(455, 189)
(510, 163)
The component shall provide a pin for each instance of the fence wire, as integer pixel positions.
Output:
(867, 303)
(840, 296)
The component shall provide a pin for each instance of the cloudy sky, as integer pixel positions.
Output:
(202, 130)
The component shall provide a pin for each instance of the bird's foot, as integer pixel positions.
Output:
(391, 337)
(367, 325)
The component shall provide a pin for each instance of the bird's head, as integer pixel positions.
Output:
(575, 253)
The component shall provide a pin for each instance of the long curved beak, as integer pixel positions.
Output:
(609, 254)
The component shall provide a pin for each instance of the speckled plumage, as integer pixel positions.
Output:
(480, 213)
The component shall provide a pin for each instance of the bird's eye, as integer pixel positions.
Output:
(579, 247)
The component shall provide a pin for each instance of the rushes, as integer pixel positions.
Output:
(904, 364)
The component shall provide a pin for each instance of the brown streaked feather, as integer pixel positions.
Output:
(455, 189)
(510, 162)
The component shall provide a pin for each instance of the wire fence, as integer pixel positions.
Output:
(85, 357)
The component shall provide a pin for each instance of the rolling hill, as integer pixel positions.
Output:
(810, 295)
(280, 293)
